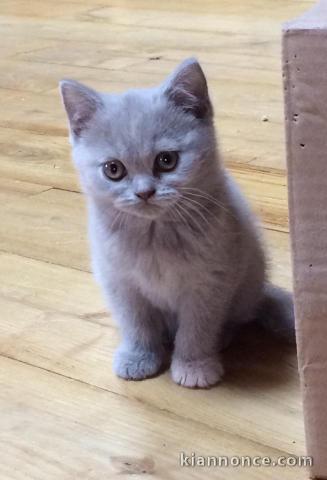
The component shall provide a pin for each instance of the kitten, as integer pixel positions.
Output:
(174, 245)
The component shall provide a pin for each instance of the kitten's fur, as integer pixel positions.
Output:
(186, 265)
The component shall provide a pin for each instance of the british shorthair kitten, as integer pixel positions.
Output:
(174, 246)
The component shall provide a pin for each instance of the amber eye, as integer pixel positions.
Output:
(166, 161)
(114, 170)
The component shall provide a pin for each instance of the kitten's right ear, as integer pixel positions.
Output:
(81, 103)
(187, 89)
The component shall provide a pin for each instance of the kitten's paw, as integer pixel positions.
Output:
(197, 373)
(137, 365)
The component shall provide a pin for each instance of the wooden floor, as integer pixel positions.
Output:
(63, 414)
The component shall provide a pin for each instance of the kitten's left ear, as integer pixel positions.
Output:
(187, 88)
(81, 103)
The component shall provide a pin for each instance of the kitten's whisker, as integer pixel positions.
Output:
(192, 219)
(195, 208)
(171, 214)
(121, 221)
(196, 192)
(208, 219)
(181, 215)
(202, 194)
(115, 220)
(174, 215)
(200, 205)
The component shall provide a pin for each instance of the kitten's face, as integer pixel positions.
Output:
(138, 152)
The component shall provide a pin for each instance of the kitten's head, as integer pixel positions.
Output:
(138, 151)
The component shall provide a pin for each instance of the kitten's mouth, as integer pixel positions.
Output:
(144, 210)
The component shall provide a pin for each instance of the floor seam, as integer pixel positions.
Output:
(147, 404)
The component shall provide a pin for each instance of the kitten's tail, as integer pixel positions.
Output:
(276, 312)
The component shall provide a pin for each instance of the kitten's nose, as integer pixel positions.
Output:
(146, 195)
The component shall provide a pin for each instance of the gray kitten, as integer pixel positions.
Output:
(174, 245)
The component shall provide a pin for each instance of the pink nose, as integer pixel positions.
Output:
(146, 195)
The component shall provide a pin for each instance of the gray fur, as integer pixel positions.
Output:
(180, 267)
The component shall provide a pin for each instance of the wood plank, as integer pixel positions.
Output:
(46, 159)
(51, 228)
(50, 287)
(11, 188)
(60, 428)
(81, 347)
(37, 334)
(56, 229)
(36, 158)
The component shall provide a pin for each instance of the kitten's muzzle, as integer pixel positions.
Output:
(146, 194)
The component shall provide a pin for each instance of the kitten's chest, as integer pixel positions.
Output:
(159, 275)
(159, 265)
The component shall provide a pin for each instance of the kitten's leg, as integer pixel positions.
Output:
(196, 361)
(141, 353)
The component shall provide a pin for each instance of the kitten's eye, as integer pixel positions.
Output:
(166, 161)
(114, 170)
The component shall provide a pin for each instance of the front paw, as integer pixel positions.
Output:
(197, 373)
(137, 364)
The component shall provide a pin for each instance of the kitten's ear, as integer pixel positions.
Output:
(80, 102)
(187, 88)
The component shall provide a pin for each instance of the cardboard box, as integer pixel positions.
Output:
(305, 83)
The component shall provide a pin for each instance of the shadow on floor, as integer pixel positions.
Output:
(256, 360)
